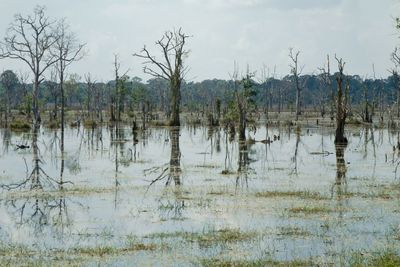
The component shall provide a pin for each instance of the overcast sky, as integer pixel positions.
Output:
(253, 32)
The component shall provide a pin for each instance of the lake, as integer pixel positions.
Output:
(198, 196)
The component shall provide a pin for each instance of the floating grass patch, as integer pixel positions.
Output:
(90, 124)
(227, 172)
(206, 166)
(17, 251)
(298, 194)
(166, 235)
(53, 124)
(159, 123)
(94, 251)
(223, 236)
(217, 193)
(208, 238)
(42, 194)
(14, 251)
(387, 258)
(293, 231)
(371, 195)
(353, 121)
(310, 210)
(74, 124)
(380, 195)
(19, 125)
(217, 262)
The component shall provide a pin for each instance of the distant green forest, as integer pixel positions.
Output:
(274, 94)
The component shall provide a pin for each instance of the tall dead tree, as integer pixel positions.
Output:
(395, 57)
(117, 97)
(29, 39)
(113, 95)
(326, 76)
(366, 115)
(90, 87)
(52, 87)
(341, 104)
(170, 68)
(268, 90)
(296, 72)
(66, 50)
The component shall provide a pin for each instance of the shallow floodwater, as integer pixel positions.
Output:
(193, 194)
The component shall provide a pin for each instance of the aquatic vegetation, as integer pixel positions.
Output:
(20, 125)
(218, 262)
(385, 258)
(210, 237)
(293, 231)
(296, 194)
(309, 210)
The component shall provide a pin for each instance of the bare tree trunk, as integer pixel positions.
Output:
(294, 68)
(62, 118)
(279, 100)
(175, 160)
(298, 111)
(175, 102)
(35, 100)
(242, 123)
(341, 110)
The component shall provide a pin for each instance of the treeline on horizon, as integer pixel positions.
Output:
(271, 94)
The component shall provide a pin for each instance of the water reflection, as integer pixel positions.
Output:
(243, 164)
(339, 187)
(118, 156)
(172, 207)
(170, 172)
(175, 160)
(296, 150)
(6, 133)
(34, 207)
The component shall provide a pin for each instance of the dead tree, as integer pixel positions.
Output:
(30, 39)
(90, 88)
(375, 97)
(171, 68)
(395, 57)
(367, 115)
(341, 104)
(52, 87)
(113, 99)
(326, 76)
(265, 77)
(66, 50)
(116, 100)
(296, 71)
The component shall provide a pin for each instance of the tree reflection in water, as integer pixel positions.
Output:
(244, 161)
(42, 202)
(175, 161)
(169, 172)
(341, 169)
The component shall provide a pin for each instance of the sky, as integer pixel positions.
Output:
(253, 33)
